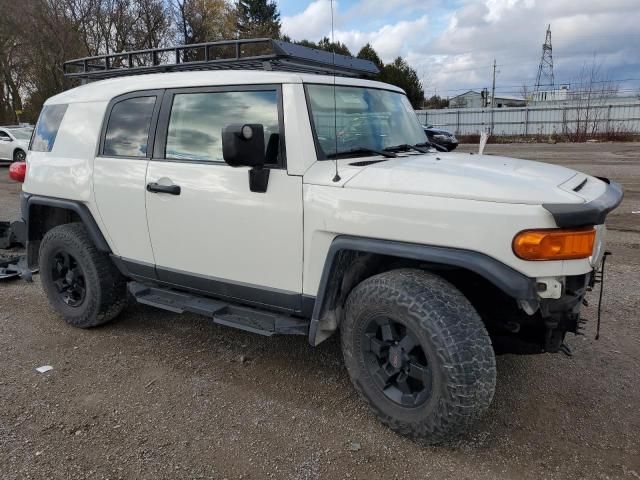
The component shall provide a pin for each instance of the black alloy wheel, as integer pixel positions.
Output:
(396, 362)
(68, 278)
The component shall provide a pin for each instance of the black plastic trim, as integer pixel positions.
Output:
(83, 212)
(510, 281)
(590, 213)
(135, 269)
(255, 295)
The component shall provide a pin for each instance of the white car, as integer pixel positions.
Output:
(283, 194)
(14, 143)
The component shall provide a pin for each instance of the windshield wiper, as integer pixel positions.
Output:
(405, 146)
(440, 148)
(357, 150)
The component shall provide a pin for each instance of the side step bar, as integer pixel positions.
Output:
(223, 313)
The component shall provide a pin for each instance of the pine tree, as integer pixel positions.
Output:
(258, 18)
(400, 74)
(368, 53)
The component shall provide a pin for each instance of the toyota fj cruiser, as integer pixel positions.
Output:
(283, 193)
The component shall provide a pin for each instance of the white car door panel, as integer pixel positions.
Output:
(217, 228)
(119, 178)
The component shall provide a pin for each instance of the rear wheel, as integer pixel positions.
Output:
(19, 155)
(81, 283)
(418, 353)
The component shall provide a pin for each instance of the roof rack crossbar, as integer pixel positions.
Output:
(251, 54)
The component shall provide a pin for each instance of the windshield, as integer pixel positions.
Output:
(363, 118)
(21, 133)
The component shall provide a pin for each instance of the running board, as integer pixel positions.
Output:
(222, 313)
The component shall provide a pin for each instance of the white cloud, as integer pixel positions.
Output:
(460, 54)
(312, 24)
(389, 41)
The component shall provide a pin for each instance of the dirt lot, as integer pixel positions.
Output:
(156, 395)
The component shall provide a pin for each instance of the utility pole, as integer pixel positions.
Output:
(493, 88)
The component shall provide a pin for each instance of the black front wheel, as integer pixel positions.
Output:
(82, 284)
(418, 353)
(19, 156)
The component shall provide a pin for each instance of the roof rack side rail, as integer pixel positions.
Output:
(246, 54)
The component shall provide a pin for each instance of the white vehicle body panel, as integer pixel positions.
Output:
(119, 185)
(474, 177)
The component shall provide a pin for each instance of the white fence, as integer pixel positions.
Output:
(536, 120)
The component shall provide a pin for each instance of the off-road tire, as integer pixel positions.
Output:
(106, 290)
(19, 155)
(453, 338)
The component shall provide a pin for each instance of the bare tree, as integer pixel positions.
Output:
(591, 89)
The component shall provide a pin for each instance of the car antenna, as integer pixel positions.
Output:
(336, 178)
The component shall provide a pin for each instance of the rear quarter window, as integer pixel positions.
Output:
(47, 127)
(127, 133)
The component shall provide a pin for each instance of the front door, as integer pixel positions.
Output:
(208, 231)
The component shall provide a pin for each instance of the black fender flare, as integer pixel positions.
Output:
(504, 277)
(27, 201)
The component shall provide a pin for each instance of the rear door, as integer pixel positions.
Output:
(119, 176)
(213, 234)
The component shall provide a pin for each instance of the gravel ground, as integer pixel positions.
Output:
(157, 395)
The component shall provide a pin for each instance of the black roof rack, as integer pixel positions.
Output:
(245, 54)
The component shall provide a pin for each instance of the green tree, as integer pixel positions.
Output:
(368, 53)
(401, 74)
(324, 44)
(258, 19)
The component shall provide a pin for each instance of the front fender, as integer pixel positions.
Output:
(510, 281)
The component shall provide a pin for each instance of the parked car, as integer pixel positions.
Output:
(441, 137)
(14, 142)
(293, 202)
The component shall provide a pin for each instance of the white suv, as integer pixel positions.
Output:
(291, 202)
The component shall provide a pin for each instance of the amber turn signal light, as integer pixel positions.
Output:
(554, 244)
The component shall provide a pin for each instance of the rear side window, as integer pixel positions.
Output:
(47, 128)
(127, 132)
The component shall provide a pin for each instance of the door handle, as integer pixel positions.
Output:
(157, 188)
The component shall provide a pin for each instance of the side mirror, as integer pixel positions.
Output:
(243, 146)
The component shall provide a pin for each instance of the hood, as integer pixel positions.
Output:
(477, 177)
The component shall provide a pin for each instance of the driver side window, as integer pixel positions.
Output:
(197, 119)
(4, 136)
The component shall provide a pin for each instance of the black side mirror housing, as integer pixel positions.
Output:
(243, 146)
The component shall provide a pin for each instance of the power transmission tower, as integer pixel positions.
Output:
(545, 70)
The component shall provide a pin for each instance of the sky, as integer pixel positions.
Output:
(452, 43)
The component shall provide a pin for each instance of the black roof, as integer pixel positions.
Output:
(249, 54)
